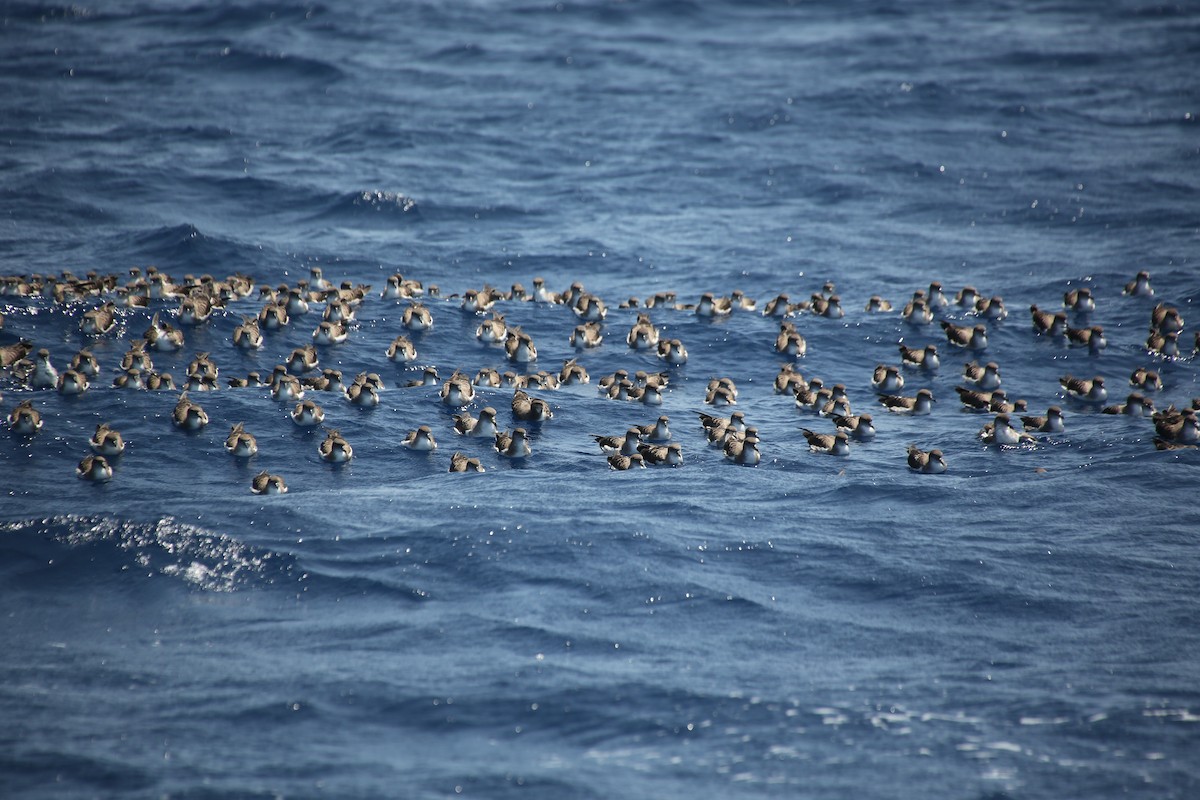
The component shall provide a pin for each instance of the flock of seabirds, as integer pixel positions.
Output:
(98, 301)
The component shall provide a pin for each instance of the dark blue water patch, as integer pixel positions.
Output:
(274, 66)
(46, 12)
(186, 248)
(42, 204)
(69, 549)
(374, 131)
(72, 774)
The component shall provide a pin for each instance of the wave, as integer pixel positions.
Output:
(264, 65)
(186, 248)
(379, 206)
(68, 548)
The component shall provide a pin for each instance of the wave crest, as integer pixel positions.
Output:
(196, 556)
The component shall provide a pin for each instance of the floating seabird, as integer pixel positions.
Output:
(834, 444)
(421, 440)
(107, 441)
(929, 463)
(887, 379)
(1051, 423)
(335, 449)
(514, 445)
(94, 468)
(620, 462)
(922, 357)
(919, 405)
(669, 455)
(1001, 432)
(307, 414)
(239, 443)
(460, 463)
(1084, 390)
(25, 420)
(1139, 286)
(189, 416)
(1135, 405)
(743, 448)
(966, 336)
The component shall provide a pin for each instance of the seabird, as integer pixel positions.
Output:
(334, 448)
(287, 389)
(834, 444)
(573, 373)
(789, 341)
(743, 448)
(860, 427)
(99, 321)
(971, 337)
(1051, 423)
(643, 335)
(625, 445)
(189, 416)
(106, 441)
(1166, 319)
(917, 312)
(25, 419)
(457, 391)
(416, 317)
(590, 334)
(717, 429)
(669, 455)
(1136, 405)
(620, 462)
(985, 377)
(991, 308)
(460, 463)
(887, 379)
(710, 306)
(485, 425)
(1139, 286)
(514, 445)
(923, 357)
(44, 375)
(492, 330)
(966, 297)
(72, 382)
(657, 431)
(362, 394)
(929, 463)
(1001, 432)
(239, 443)
(94, 468)
(519, 346)
(876, 305)
(303, 359)
(1164, 345)
(533, 409)
(1079, 300)
(401, 350)
(273, 316)
(307, 414)
(247, 336)
(1146, 379)
(330, 333)
(1088, 391)
(919, 405)
(1048, 323)
(1091, 337)
(421, 439)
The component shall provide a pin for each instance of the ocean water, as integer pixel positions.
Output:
(1023, 626)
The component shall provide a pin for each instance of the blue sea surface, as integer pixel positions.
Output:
(1023, 626)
